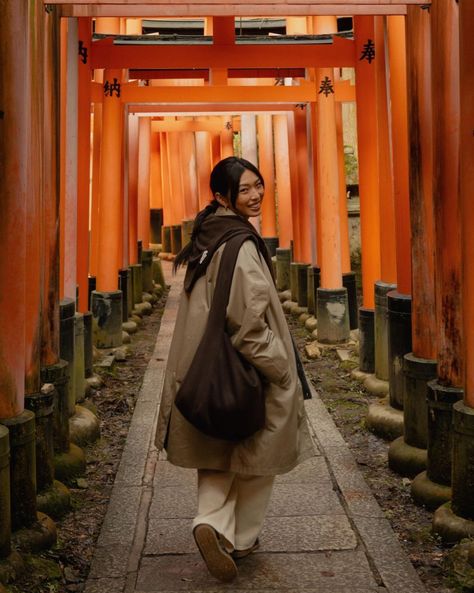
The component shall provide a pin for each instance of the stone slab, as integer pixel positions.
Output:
(322, 424)
(304, 499)
(312, 470)
(110, 562)
(396, 571)
(280, 534)
(121, 518)
(167, 474)
(357, 495)
(335, 571)
(105, 586)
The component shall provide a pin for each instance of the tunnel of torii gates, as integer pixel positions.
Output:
(104, 131)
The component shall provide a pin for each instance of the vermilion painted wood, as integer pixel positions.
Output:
(132, 190)
(83, 164)
(302, 159)
(188, 172)
(283, 182)
(13, 173)
(329, 227)
(111, 197)
(366, 93)
(339, 53)
(33, 202)
(446, 135)
(143, 187)
(388, 267)
(421, 183)
(156, 194)
(267, 168)
(399, 125)
(466, 20)
(204, 166)
(165, 179)
(50, 202)
(204, 10)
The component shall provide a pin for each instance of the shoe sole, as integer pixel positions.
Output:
(239, 554)
(218, 561)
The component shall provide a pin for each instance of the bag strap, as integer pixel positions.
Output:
(220, 299)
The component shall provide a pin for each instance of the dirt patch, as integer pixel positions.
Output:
(347, 401)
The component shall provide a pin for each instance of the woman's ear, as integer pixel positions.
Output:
(222, 200)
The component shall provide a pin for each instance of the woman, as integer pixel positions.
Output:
(234, 479)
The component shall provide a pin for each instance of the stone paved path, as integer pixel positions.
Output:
(324, 532)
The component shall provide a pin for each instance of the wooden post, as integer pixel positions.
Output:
(13, 172)
(132, 163)
(283, 184)
(204, 167)
(83, 160)
(143, 188)
(266, 166)
(366, 88)
(111, 207)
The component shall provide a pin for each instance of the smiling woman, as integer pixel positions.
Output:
(235, 477)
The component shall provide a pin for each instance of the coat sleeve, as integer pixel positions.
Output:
(246, 318)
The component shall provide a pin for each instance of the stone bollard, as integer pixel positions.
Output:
(407, 455)
(158, 276)
(5, 502)
(186, 231)
(107, 318)
(381, 329)
(88, 349)
(92, 285)
(67, 310)
(399, 344)
(176, 239)
(22, 469)
(366, 340)
(432, 487)
(147, 270)
(349, 282)
(58, 375)
(271, 244)
(283, 258)
(124, 285)
(333, 316)
(41, 405)
(166, 239)
(137, 283)
(294, 280)
(314, 280)
(79, 358)
(302, 285)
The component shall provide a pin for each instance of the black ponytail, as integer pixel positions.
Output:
(183, 256)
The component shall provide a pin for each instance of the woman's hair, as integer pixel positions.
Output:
(224, 180)
(225, 177)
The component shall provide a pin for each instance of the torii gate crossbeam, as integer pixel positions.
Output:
(146, 8)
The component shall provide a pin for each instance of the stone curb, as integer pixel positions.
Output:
(376, 534)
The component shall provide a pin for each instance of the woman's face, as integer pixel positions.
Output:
(250, 196)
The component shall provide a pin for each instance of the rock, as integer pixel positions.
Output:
(354, 333)
(304, 317)
(120, 354)
(95, 382)
(287, 305)
(343, 354)
(312, 350)
(125, 338)
(311, 323)
(130, 327)
(82, 483)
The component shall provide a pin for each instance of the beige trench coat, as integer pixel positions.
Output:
(258, 329)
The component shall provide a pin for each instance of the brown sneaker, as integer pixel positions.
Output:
(218, 561)
(238, 554)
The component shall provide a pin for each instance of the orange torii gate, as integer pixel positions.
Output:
(454, 364)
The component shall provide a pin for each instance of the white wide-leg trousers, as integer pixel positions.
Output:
(233, 504)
